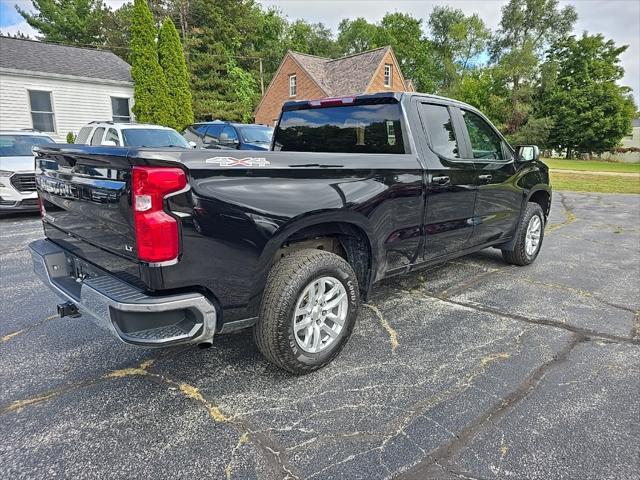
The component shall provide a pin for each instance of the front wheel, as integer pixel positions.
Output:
(308, 311)
(529, 237)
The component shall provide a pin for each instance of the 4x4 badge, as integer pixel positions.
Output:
(239, 162)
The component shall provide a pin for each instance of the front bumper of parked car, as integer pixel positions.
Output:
(18, 192)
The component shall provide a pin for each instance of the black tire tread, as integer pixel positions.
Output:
(518, 255)
(268, 335)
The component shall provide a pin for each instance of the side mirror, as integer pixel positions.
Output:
(109, 143)
(527, 153)
(192, 144)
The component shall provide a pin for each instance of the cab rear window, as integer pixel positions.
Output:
(341, 129)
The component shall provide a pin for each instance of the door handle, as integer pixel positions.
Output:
(440, 180)
(485, 178)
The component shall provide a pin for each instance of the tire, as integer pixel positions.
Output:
(292, 285)
(520, 255)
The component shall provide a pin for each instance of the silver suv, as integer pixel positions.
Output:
(130, 135)
(17, 169)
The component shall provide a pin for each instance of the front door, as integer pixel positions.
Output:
(450, 183)
(499, 199)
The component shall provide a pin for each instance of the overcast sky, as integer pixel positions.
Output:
(616, 19)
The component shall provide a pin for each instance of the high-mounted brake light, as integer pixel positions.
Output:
(331, 102)
(157, 235)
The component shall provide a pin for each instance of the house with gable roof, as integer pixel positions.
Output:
(303, 77)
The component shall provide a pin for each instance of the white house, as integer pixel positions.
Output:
(57, 89)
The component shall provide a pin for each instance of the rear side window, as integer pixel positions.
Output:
(212, 133)
(344, 129)
(97, 136)
(83, 135)
(440, 129)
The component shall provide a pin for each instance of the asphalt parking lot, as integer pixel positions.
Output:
(473, 370)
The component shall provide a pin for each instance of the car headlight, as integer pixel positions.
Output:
(5, 173)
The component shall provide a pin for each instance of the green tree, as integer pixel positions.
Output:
(117, 31)
(413, 51)
(73, 22)
(151, 102)
(527, 27)
(173, 65)
(457, 41)
(591, 113)
(311, 38)
(355, 36)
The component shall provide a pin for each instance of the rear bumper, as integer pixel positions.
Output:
(124, 310)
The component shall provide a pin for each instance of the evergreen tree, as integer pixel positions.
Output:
(151, 102)
(174, 66)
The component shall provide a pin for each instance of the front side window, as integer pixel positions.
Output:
(120, 110)
(293, 85)
(440, 130)
(112, 136)
(97, 136)
(228, 136)
(485, 142)
(388, 75)
(212, 134)
(42, 111)
(346, 129)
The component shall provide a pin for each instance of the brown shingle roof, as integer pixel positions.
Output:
(342, 76)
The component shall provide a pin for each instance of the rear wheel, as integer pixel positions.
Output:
(529, 237)
(309, 309)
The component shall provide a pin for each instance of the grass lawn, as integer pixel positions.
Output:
(595, 183)
(591, 165)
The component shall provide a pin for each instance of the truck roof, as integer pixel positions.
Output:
(382, 97)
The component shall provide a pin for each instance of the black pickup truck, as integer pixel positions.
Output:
(170, 246)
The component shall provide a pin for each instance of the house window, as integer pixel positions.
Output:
(293, 86)
(387, 75)
(120, 109)
(42, 111)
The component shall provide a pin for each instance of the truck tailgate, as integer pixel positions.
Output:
(86, 201)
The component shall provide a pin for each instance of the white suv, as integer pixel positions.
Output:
(130, 135)
(17, 169)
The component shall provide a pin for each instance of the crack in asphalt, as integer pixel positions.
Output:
(539, 321)
(275, 455)
(29, 327)
(393, 334)
(570, 217)
(442, 455)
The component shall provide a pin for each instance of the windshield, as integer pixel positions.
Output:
(344, 129)
(256, 134)
(153, 137)
(20, 145)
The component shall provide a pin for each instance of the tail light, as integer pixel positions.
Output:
(157, 235)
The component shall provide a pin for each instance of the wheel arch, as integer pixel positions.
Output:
(541, 194)
(352, 231)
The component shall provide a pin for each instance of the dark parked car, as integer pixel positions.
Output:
(166, 247)
(226, 135)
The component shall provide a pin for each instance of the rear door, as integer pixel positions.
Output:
(499, 199)
(450, 181)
